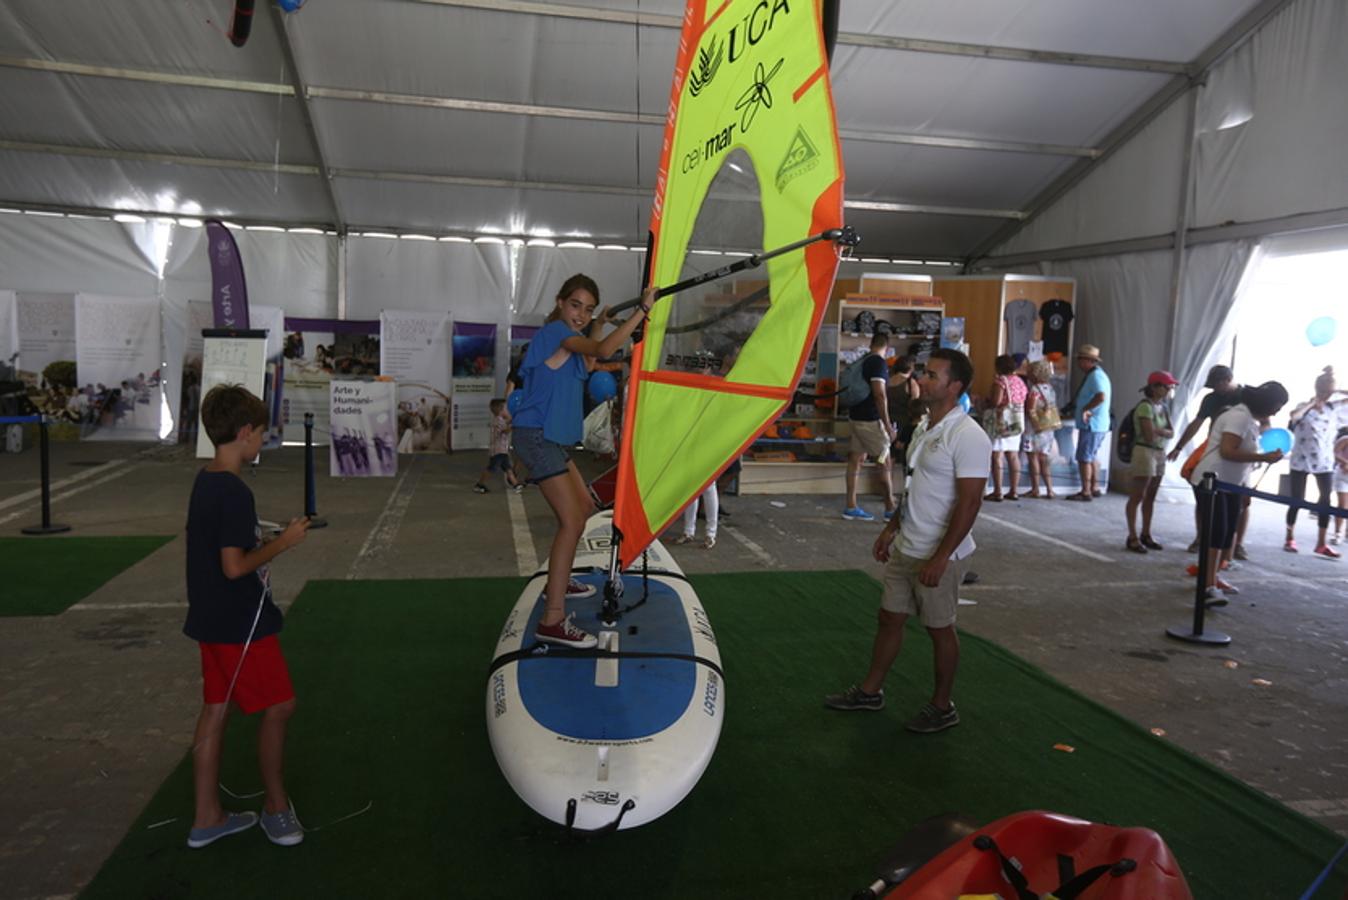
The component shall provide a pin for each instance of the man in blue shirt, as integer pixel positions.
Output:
(1092, 404)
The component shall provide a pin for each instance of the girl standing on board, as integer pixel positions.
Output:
(548, 421)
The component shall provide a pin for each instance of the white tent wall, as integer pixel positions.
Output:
(60, 255)
(1287, 156)
(1134, 193)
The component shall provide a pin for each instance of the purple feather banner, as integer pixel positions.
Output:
(229, 290)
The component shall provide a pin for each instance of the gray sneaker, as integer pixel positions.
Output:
(233, 824)
(855, 698)
(930, 719)
(282, 828)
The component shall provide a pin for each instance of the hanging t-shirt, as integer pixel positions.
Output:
(1019, 315)
(1057, 316)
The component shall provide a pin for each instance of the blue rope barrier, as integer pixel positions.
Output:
(1315, 885)
(19, 420)
(1323, 509)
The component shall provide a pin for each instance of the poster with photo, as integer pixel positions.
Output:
(474, 366)
(520, 336)
(9, 338)
(314, 351)
(117, 358)
(414, 351)
(364, 428)
(44, 331)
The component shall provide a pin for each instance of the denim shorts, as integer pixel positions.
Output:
(541, 457)
(1088, 444)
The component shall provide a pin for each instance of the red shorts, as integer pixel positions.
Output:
(263, 680)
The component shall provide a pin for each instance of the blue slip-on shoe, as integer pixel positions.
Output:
(233, 824)
(282, 828)
(858, 514)
(889, 513)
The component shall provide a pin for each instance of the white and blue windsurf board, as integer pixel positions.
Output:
(621, 733)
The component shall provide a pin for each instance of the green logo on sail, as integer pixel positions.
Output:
(801, 157)
(708, 61)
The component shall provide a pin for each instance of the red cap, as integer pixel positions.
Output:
(1161, 377)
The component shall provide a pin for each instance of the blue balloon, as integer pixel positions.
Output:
(602, 386)
(965, 403)
(1276, 439)
(514, 400)
(290, 5)
(1321, 331)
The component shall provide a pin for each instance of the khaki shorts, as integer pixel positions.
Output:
(870, 438)
(905, 594)
(1148, 462)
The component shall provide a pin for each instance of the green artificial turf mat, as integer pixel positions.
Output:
(44, 576)
(798, 801)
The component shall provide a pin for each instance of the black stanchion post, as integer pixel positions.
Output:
(1196, 635)
(46, 527)
(310, 502)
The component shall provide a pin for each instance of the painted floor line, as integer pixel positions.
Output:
(525, 555)
(36, 493)
(57, 498)
(752, 547)
(386, 527)
(1043, 537)
(1239, 579)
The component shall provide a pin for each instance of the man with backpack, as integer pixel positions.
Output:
(872, 430)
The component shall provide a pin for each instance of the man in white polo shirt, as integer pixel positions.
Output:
(948, 459)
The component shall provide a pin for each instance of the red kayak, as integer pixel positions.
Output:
(1034, 855)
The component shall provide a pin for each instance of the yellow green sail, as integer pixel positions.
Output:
(751, 88)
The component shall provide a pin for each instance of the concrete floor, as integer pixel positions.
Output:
(98, 704)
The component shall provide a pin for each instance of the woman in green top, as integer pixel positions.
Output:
(1152, 427)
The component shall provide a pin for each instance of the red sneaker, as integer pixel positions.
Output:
(565, 634)
(1327, 552)
(579, 590)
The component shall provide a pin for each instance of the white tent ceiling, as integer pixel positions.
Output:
(544, 119)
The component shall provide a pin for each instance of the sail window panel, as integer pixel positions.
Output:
(159, 187)
(437, 208)
(42, 107)
(939, 176)
(953, 96)
(1141, 29)
(709, 324)
(161, 36)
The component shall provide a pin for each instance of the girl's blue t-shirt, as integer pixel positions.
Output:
(553, 398)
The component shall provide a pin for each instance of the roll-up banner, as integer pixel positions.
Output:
(44, 326)
(117, 358)
(315, 350)
(414, 351)
(229, 289)
(9, 338)
(364, 428)
(230, 356)
(474, 385)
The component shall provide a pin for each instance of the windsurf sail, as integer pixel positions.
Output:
(750, 161)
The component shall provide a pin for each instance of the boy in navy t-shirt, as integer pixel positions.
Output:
(231, 615)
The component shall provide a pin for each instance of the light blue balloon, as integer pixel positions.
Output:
(965, 403)
(1276, 439)
(1321, 331)
(514, 400)
(602, 386)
